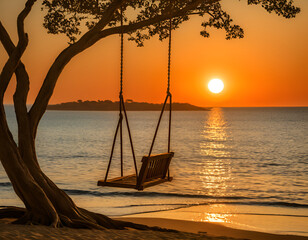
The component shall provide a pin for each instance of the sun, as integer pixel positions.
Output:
(216, 85)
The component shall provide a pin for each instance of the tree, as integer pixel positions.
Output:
(44, 202)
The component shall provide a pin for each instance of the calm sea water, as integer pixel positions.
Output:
(237, 156)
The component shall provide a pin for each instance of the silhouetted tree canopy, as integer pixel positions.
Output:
(72, 16)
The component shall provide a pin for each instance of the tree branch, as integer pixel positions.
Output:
(14, 59)
(11, 65)
(41, 102)
(141, 24)
(87, 40)
(21, 73)
(22, 88)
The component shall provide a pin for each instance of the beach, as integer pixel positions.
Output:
(212, 230)
(187, 230)
(183, 220)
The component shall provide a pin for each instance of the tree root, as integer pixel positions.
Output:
(12, 212)
(87, 219)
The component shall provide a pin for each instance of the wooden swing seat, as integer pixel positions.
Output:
(153, 171)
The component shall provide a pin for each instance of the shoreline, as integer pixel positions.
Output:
(196, 222)
(265, 219)
(230, 220)
(188, 230)
(211, 229)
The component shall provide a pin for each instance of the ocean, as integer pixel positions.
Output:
(233, 161)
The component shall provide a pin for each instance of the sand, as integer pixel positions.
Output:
(265, 219)
(212, 229)
(189, 230)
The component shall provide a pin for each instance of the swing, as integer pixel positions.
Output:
(155, 168)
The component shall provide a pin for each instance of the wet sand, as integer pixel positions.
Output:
(188, 230)
(212, 229)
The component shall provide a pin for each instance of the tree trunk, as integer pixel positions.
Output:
(37, 203)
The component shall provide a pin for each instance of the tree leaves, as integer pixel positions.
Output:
(283, 8)
(72, 17)
(219, 19)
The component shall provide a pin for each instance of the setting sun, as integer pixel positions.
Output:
(216, 85)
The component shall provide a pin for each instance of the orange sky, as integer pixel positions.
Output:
(268, 67)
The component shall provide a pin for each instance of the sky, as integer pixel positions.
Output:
(269, 67)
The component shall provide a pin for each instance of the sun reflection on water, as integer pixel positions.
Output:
(215, 172)
(217, 213)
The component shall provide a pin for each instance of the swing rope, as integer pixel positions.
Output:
(122, 108)
(122, 53)
(169, 56)
(121, 91)
(168, 87)
(169, 96)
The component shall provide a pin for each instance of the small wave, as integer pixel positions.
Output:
(222, 157)
(222, 213)
(157, 205)
(214, 140)
(298, 232)
(253, 203)
(282, 204)
(181, 206)
(273, 165)
(150, 194)
(238, 200)
(56, 157)
(270, 214)
(275, 204)
(5, 184)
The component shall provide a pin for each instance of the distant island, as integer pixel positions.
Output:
(130, 105)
